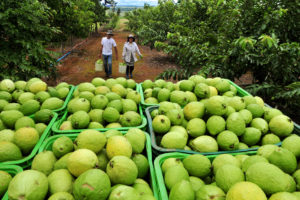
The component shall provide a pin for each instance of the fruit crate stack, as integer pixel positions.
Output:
(206, 136)
(206, 123)
(34, 95)
(269, 173)
(210, 116)
(152, 93)
(90, 165)
(27, 113)
(103, 105)
(23, 136)
(140, 180)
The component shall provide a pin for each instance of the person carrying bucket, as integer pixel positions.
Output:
(107, 43)
(129, 55)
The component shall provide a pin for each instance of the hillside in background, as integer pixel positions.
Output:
(127, 8)
(136, 2)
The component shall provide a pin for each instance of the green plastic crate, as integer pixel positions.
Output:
(144, 105)
(296, 126)
(60, 110)
(12, 170)
(57, 124)
(163, 193)
(157, 150)
(26, 161)
(68, 98)
(47, 145)
(240, 92)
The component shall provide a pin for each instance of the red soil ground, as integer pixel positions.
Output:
(79, 65)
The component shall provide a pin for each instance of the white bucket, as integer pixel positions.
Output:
(99, 65)
(122, 68)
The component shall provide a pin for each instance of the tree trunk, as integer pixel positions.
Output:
(71, 38)
(62, 48)
(96, 28)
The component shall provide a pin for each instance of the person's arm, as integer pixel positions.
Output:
(116, 50)
(124, 52)
(138, 51)
(101, 49)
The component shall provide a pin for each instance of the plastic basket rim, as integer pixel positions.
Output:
(11, 169)
(57, 123)
(22, 162)
(15, 168)
(148, 152)
(164, 150)
(67, 99)
(239, 90)
(143, 98)
(159, 175)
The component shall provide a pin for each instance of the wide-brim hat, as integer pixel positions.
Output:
(109, 32)
(130, 36)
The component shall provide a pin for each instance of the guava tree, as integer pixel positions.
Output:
(25, 27)
(99, 11)
(228, 39)
(152, 24)
(71, 17)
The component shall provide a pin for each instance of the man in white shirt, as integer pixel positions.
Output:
(107, 43)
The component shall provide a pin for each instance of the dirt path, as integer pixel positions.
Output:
(79, 66)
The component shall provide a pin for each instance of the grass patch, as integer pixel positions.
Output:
(121, 24)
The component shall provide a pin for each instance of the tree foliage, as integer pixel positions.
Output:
(119, 11)
(27, 26)
(226, 38)
(152, 24)
(99, 11)
(24, 29)
(73, 17)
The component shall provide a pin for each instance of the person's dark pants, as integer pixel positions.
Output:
(129, 70)
(107, 61)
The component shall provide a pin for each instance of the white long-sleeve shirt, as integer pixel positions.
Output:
(130, 49)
